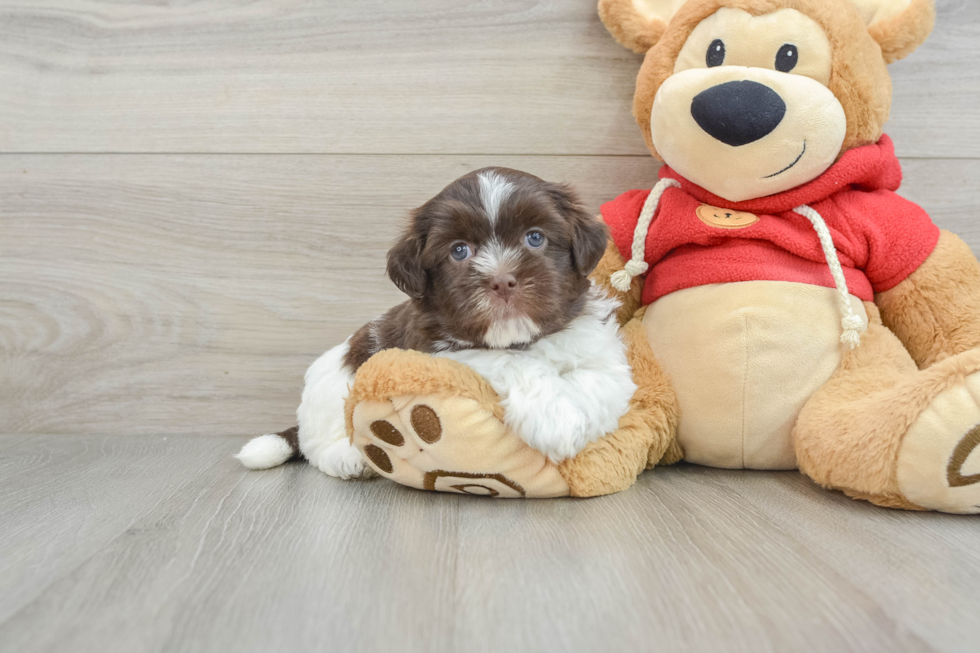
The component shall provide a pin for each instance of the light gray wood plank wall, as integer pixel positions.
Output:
(176, 289)
(379, 76)
(187, 294)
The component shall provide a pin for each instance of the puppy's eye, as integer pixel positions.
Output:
(534, 239)
(716, 53)
(460, 251)
(787, 58)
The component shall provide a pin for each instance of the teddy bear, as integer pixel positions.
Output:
(782, 306)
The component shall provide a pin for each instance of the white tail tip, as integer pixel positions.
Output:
(265, 451)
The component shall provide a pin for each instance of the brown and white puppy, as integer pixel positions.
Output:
(496, 268)
(498, 259)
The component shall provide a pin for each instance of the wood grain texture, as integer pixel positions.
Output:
(159, 306)
(188, 294)
(63, 499)
(218, 558)
(379, 76)
(150, 294)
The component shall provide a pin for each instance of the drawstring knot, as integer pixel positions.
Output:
(623, 279)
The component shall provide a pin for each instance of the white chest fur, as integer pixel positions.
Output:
(567, 389)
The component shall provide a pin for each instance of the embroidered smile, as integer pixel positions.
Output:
(790, 165)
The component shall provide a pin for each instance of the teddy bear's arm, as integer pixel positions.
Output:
(935, 312)
(646, 434)
(611, 263)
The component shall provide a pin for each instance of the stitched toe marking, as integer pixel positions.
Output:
(377, 456)
(426, 423)
(387, 433)
(954, 471)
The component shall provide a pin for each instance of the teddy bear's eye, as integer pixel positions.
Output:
(716, 53)
(787, 58)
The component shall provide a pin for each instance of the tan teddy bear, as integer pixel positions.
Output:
(783, 308)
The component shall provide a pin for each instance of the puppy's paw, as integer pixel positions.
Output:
(342, 460)
(556, 428)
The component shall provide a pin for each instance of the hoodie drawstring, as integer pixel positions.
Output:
(623, 279)
(853, 324)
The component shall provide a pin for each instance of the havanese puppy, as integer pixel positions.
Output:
(496, 267)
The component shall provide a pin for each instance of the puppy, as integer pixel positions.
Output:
(496, 268)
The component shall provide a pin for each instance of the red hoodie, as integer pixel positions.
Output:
(698, 238)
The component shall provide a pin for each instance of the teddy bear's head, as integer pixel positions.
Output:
(749, 98)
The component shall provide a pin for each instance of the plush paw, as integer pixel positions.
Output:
(939, 462)
(451, 438)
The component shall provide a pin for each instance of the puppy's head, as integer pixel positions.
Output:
(749, 98)
(499, 258)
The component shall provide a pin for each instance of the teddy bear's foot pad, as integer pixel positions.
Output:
(939, 462)
(451, 444)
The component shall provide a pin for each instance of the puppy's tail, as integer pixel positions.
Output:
(270, 450)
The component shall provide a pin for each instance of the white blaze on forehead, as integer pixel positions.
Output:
(511, 331)
(494, 189)
(494, 258)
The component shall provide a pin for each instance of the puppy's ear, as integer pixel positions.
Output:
(589, 235)
(899, 26)
(405, 265)
(637, 24)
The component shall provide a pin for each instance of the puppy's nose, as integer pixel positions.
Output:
(738, 113)
(503, 285)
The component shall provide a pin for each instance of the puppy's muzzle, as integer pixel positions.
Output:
(738, 113)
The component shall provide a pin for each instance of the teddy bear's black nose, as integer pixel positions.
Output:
(738, 113)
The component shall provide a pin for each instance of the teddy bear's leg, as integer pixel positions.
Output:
(882, 430)
(646, 434)
(434, 424)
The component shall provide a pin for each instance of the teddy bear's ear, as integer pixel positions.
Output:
(637, 24)
(899, 26)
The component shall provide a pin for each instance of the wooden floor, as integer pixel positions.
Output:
(195, 201)
(164, 544)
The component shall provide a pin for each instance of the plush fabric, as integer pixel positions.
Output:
(927, 473)
(900, 33)
(646, 434)
(475, 452)
(744, 358)
(859, 79)
(402, 439)
(698, 119)
(933, 312)
(565, 390)
(850, 433)
(880, 237)
(632, 28)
